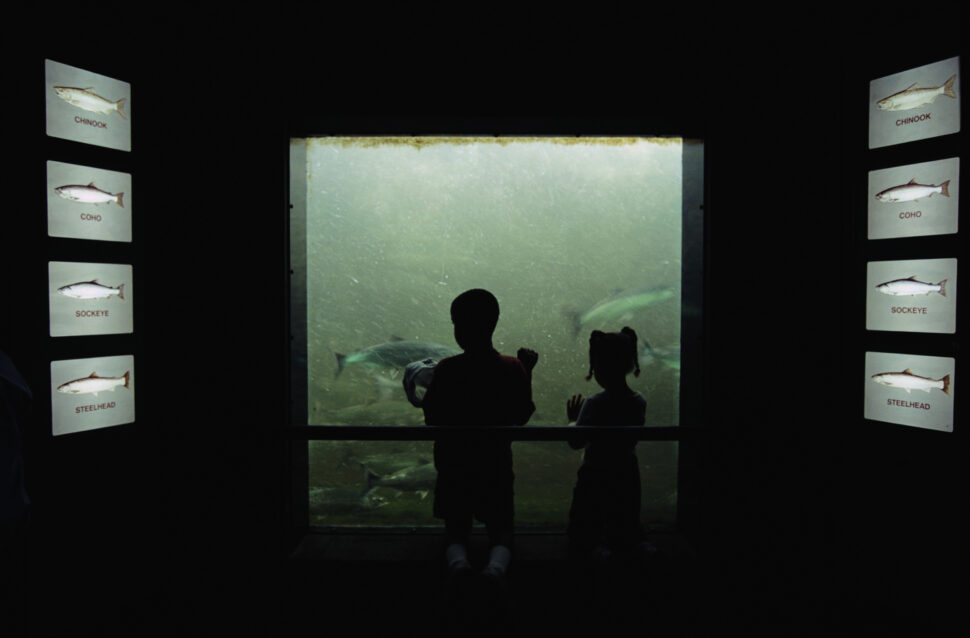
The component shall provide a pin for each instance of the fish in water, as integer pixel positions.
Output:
(622, 304)
(393, 355)
(89, 194)
(914, 97)
(908, 381)
(910, 286)
(911, 191)
(330, 501)
(91, 290)
(90, 101)
(94, 384)
(417, 478)
(667, 355)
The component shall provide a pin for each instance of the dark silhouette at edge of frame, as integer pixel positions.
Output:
(479, 387)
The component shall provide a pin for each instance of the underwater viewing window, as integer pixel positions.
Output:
(571, 234)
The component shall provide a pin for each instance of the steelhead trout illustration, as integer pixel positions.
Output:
(910, 286)
(94, 384)
(914, 97)
(908, 381)
(89, 194)
(90, 101)
(911, 191)
(91, 290)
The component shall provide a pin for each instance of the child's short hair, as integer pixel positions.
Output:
(613, 351)
(476, 307)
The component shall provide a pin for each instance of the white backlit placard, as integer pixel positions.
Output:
(88, 203)
(87, 394)
(915, 295)
(87, 107)
(914, 200)
(90, 299)
(915, 104)
(910, 390)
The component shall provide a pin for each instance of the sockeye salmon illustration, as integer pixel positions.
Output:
(91, 290)
(911, 191)
(94, 384)
(914, 97)
(394, 354)
(910, 286)
(90, 101)
(908, 381)
(622, 304)
(89, 194)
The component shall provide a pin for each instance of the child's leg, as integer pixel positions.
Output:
(457, 533)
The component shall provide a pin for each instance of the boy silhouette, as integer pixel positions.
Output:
(478, 387)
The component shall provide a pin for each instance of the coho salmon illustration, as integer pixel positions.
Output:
(914, 97)
(908, 381)
(91, 290)
(394, 354)
(622, 304)
(910, 286)
(90, 101)
(89, 194)
(911, 191)
(94, 384)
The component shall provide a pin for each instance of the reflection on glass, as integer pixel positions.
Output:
(391, 483)
(570, 234)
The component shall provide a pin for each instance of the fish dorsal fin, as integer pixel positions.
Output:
(93, 281)
(911, 86)
(396, 338)
(93, 374)
(912, 181)
(907, 371)
(913, 278)
(91, 185)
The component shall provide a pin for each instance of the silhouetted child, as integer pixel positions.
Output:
(479, 387)
(605, 513)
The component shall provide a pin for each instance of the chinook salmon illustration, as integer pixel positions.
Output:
(910, 286)
(914, 97)
(911, 191)
(89, 194)
(908, 381)
(91, 290)
(90, 101)
(94, 384)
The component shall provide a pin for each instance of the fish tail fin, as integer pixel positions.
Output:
(120, 106)
(127, 376)
(946, 384)
(341, 362)
(942, 286)
(120, 200)
(574, 320)
(121, 291)
(948, 87)
(945, 188)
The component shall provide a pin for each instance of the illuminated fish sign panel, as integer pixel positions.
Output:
(908, 389)
(87, 107)
(88, 394)
(88, 203)
(914, 295)
(90, 299)
(915, 104)
(914, 200)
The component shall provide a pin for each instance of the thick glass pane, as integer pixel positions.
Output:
(391, 483)
(570, 234)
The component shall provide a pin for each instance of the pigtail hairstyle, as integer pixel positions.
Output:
(628, 331)
(593, 339)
